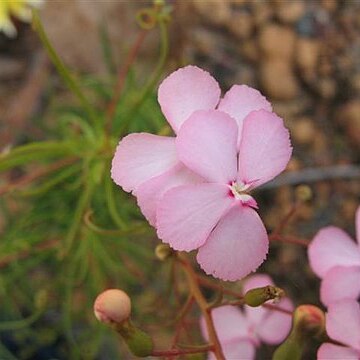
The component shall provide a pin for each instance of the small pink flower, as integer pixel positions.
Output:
(342, 325)
(240, 332)
(147, 164)
(195, 188)
(335, 258)
(142, 157)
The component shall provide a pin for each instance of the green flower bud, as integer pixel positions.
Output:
(258, 296)
(308, 321)
(290, 349)
(140, 343)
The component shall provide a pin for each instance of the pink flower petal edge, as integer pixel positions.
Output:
(237, 246)
(141, 156)
(230, 324)
(186, 90)
(343, 323)
(240, 101)
(149, 193)
(265, 148)
(206, 144)
(329, 351)
(332, 247)
(340, 283)
(187, 214)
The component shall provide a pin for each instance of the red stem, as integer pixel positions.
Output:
(288, 239)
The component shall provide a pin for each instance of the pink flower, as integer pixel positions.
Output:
(147, 164)
(195, 188)
(342, 325)
(335, 258)
(240, 332)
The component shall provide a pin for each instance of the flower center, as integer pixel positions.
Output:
(240, 191)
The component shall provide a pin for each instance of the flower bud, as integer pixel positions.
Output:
(308, 321)
(290, 349)
(258, 296)
(163, 251)
(309, 318)
(112, 306)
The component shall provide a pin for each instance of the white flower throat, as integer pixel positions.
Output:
(240, 191)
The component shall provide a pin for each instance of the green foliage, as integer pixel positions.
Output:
(69, 231)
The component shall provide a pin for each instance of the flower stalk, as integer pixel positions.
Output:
(199, 297)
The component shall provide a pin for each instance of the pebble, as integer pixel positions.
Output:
(277, 41)
(278, 79)
(215, 12)
(289, 11)
(241, 25)
(307, 54)
(303, 131)
(348, 117)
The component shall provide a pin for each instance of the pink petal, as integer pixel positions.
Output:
(332, 247)
(186, 90)
(149, 193)
(187, 214)
(329, 351)
(275, 325)
(340, 283)
(265, 148)
(357, 224)
(206, 144)
(139, 157)
(343, 323)
(256, 281)
(230, 324)
(237, 246)
(240, 101)
(237, 350)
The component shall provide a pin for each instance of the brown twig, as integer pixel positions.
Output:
(208, 283)
(177, 352)
(280, 228)
(198, 296)
(288, 239)
(180, 318)
(110, 111)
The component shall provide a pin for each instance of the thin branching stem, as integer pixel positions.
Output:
(63, 70)
(199, 297)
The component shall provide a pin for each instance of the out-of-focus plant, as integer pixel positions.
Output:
(67, 231)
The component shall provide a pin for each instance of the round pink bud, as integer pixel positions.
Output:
(112, 306)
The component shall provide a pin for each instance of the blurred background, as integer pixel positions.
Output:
(303, 55)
